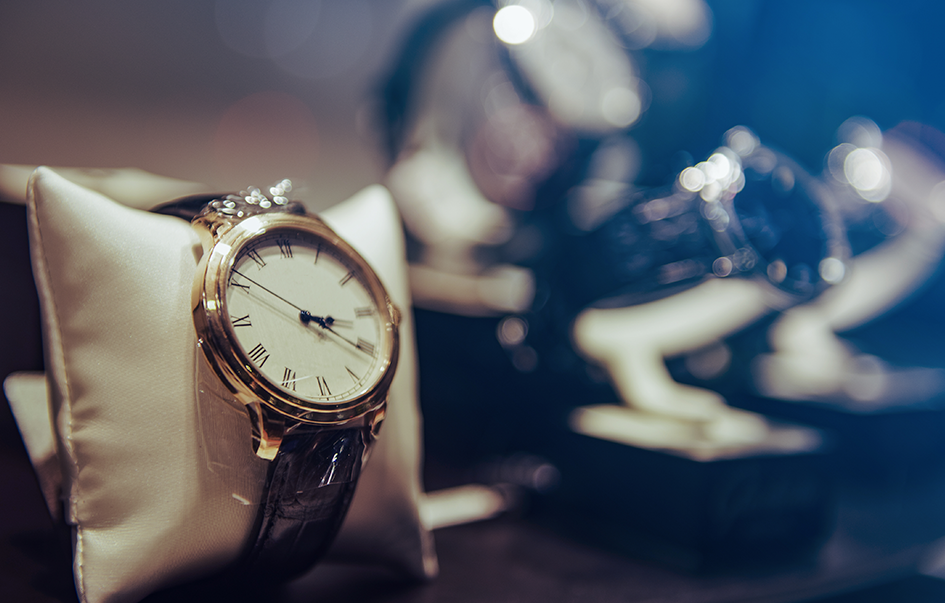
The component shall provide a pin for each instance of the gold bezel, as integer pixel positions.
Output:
(218, 341)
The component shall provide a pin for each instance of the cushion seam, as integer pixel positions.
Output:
(60, 375)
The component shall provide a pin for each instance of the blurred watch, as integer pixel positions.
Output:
(747, 211)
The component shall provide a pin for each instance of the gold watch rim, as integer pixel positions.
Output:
(218, 341)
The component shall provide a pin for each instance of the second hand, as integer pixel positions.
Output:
(270, 292)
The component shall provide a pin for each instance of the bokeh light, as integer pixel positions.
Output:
(866, 170)
(514, 24)
(832, 270)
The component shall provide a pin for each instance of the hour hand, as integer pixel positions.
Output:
(325, 322)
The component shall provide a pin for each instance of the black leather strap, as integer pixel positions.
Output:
(186, 207)
(311, 482)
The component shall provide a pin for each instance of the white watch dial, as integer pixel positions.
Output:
(305, 317)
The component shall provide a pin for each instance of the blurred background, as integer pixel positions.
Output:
(211, 92)
(180, 89)
(340, 95)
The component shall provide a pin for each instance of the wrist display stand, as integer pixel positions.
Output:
(888, 416)
(692, 481)
(158, 480)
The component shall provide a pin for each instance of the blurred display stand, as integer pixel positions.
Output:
(554, 281)
(689, 508)
(886, 408)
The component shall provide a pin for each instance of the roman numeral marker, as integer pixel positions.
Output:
(252, 253)
(346, 278)
(233, 283)
(323, 386)
(285, 247)
(353, 376)
(242, 321)
(363, 312)
(365, 346)
(258, 355)
(288, 379)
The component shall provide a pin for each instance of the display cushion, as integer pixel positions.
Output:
(159, 480)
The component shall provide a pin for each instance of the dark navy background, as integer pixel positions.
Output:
(794, 71)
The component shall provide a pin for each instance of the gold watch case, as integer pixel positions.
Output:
(218, 341)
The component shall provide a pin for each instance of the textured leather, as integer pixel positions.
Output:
(311, 482)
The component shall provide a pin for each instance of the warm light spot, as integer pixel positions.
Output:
(741, 140)
(620, 106)
(832, 270)
(863, 169)
(722, 166)
(512, 331)
(836, 158)
(777, 271)
(861, 132)
(692, 179)
(866, 171)
(722, 266)
(711, 192)
(514, 24)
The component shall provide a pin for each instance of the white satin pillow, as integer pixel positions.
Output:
(154, 498)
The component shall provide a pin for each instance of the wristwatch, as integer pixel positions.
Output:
(748, 211)
(296, 324)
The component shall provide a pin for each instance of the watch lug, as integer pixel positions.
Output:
(268, 429)
(205, 234)
(376, 419)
